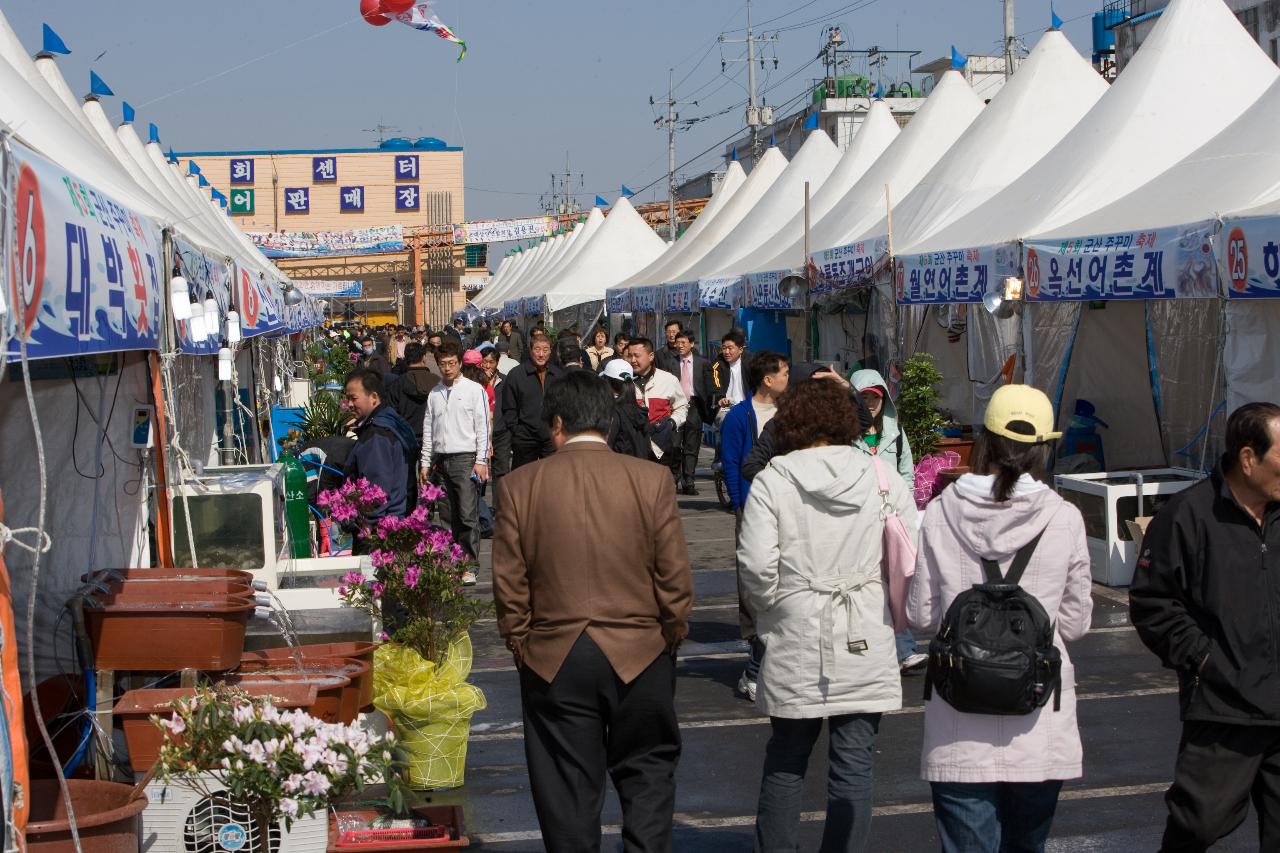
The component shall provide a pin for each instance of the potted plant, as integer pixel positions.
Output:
(917, 404)
(280, 766)
(419, 674)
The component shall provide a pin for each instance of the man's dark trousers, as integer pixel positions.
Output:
(1220, 768)
(690, 444)
(461, 507)
(587, 722)
(523, 454)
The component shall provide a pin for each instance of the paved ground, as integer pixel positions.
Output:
(1127, 711)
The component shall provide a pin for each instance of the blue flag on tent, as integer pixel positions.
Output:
(98, 86)
(773, 140)
(601, 202)
(733, 155)
(52, 42)
(192, 168)
(958, 59)
(811, 123)
(880, 89)
(171, 157)
(153, 133)
(626, 193)
(1054, 21)
(129, 112)
(204, 182)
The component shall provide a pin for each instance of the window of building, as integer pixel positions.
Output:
(1249, 20)
(1275, 50)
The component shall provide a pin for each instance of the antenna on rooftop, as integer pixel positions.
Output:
(381, 130)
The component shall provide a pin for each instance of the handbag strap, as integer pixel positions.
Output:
(991, 569)
(882, 482)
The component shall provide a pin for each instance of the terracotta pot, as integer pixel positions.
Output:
(183, 573)
(145, 738)
(962, 446)
(450, 818)
(173, 589)
(357, 650)
(146, 635)
(331, 705)
(358, 672)
(106, 817)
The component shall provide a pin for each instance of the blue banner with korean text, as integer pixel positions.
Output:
(1161, 263)
(87, 275)
(645, 299)
(764, 291)
(680, 298)
(511, 309)
(206, 276)
(953, 277)
(724, 292)
(851, 265)
(617, 300)
(533, 306)
(1250, 257)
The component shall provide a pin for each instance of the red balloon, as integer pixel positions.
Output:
(371, 11)
(395, 7)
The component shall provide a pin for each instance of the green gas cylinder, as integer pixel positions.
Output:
(295, 506)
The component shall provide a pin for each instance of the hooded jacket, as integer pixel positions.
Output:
(960, 528)
(809, 556)
(408, 396)
(385, 453)
(896, 454)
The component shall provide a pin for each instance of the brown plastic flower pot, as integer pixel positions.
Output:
(173, 588)
(355, 671)
(106, 817)
(329, 690)
(145, 738)
(339, 652)
(144, 635)
(181, 573)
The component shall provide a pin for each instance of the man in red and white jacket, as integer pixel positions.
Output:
(660, 393)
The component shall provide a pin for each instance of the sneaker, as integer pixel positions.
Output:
(747, 687)
(468, 578)
(912, 663)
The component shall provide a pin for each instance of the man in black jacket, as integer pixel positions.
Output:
(408, 394)
(1205, 598)
(694, 375)
(665, 358)
(522, 392)
(508, 333)
(385, 451)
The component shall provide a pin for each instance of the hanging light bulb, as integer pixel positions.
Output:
(277, 383)
(196, 329)
(211, 325)
(179, 298)
(224, 364)
(233, 327)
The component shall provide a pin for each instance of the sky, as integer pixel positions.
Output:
(540, 80)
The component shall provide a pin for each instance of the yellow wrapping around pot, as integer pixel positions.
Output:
(430, 707)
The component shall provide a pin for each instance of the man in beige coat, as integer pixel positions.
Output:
(593, 608)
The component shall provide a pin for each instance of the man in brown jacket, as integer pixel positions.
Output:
(593, 608)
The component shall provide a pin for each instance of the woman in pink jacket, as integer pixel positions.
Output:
(996, 779)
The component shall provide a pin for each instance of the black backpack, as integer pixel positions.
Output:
(995, 652)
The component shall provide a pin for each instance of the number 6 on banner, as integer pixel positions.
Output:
(29, 259)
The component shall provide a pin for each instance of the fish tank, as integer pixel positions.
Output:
(237, 519)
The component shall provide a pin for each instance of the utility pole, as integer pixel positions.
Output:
(560, 198)
(1010, 41)
(671, 120)
(757, 116)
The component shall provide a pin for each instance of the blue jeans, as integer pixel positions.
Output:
(997, 817)
(849, 781)
(906, 643)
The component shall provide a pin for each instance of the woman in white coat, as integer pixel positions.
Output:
(996, 779)
(809, 553)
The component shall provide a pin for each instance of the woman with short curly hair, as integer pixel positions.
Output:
(810, 552)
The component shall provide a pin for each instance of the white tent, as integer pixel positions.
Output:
(623, 244)
(772, 164)
(812, 164)
(876, 133)
(535, 285)
(1166, 103)
(551, 255)
(946, 114)
(671, 259)
(507, 270)
(531, 260)
(1052, 90)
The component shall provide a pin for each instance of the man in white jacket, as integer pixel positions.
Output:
(455, 447)
(660, 393)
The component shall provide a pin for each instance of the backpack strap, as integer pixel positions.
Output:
(991, 569)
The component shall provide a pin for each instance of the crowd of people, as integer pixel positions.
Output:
(594, 605)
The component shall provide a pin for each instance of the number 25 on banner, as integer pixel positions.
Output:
(1238, 259)
(29, 259)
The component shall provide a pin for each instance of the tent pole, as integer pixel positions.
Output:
(164, 520)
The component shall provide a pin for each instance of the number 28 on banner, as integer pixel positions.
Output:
(29, 259)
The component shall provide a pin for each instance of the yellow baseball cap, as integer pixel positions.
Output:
(1021, 413)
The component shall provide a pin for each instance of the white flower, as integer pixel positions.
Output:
(242, 714)
(256, 752)
(292, 784)
(176, 725)
(314, 784)
(289, 806)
